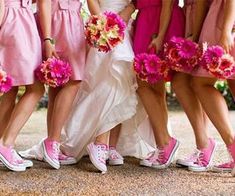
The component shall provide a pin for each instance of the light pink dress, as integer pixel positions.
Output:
(20, 46)
(68, 32)
(211, 30)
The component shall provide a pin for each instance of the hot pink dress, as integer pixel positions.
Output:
(20, 46)
(68, 32)
(211, 30)
(148, 21)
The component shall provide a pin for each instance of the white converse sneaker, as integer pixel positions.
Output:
(150, 159)
(114, 158)
(17, 157)
(189, 160)
(7, 158)
(98, 156)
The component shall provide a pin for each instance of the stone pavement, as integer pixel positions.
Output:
(129, 179)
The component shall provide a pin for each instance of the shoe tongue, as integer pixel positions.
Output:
(103, 146)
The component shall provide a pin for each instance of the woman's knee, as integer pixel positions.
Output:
(36, 88)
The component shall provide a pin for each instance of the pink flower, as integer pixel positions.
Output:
(181, 54)
(152, 64)
(5, 82)
(54, 72)
(188, 49)
(216, 62)
(150, 68)
(105, 31)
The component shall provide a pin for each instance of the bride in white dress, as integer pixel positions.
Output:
(107, 98)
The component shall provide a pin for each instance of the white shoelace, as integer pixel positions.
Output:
(56, 150)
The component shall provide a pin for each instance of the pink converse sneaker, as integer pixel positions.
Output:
(150, 159)
(225, 167)
(66, 160)
(7, 158)
(205, 157)
(98, 156)
(17, 157)
(51, 152)
(231, 149)
(188, 161)
(166, 154)
(114, 158)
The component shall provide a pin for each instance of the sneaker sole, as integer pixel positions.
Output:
(220, 170)
(145, 164)
(203, 169)
(103, 170)
(48, 159)
(10, 166)
(72, 162)
(173, 154)
(28, 164)
(116, 163)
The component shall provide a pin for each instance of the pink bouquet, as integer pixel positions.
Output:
(182, 54)
(5, 82)
(105, 31)
(54, 72)
(150, 68)
(217, 62)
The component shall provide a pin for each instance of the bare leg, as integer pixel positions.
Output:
(231, 84)
(154, 101)
(52, 93)
(188, 99)
(215, 107)
(22, 112)
(114, 135)
(61, 109)
(103, 138)
(7, 105)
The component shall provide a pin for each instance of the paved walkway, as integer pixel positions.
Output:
(130, 179)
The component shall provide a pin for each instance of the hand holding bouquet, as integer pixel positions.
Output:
(54, 72)
(105, 31)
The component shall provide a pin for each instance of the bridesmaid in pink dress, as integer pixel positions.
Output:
(217, 29)
(181, 84)
(20, 54)
(163, 19)
(68, 31)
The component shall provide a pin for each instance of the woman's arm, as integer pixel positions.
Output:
(200, 15)
(44, 14)
(2, 9)
(94, 7)
(227, 39)
(127, 12)
(165, 17)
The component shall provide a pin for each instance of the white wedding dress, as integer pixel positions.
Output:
(107, 98)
